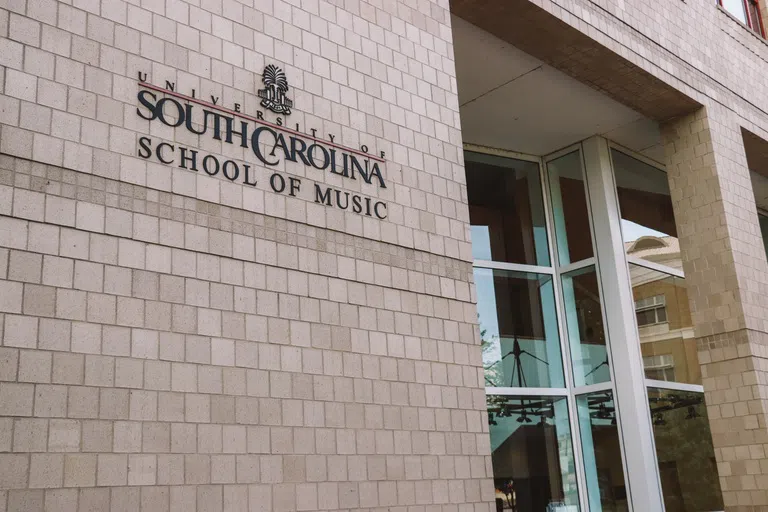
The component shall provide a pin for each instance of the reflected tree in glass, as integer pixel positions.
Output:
(687, 466)
(532, 453)
(518, 328)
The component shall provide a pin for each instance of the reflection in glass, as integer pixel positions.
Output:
(684, 450)
(569, 208)
(647, 220)
(532, 453)
(602, 452)
(665, 326)
(584, 320)
(736, 7)
(518, 328)
(506, 210)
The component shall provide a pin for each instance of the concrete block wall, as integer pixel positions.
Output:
(732, 351)
(175, 341)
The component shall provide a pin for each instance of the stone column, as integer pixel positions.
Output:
(726, 274)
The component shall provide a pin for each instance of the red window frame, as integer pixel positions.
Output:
(756, 25)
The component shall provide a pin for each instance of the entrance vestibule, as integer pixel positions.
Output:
(594, 389)
(564, 413)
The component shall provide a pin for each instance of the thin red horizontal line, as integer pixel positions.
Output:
(258, 121)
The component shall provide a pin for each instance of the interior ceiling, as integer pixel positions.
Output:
(511, 100)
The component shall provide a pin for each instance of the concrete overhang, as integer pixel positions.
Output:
(537, 32)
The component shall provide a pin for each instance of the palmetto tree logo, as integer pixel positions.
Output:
(275, 87)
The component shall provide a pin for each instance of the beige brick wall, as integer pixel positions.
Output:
(324, 382)
(720, 271)
(171, 341)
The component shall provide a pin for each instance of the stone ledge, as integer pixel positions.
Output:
(732, 345)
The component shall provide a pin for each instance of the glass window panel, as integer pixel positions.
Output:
(603, 467)
(569, 208)
(687, 467)
(532, 453)
(650, 316)
(659, 367)
(647, 219)
(736, 7)
(584, 320)
(518, 328)
(665, 330)
(506, 210)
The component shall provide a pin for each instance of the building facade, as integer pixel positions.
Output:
(383, 255)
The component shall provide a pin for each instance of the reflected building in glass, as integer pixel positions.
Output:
(664, 317)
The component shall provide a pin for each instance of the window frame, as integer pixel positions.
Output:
(755, 25)
(661, 363)
(659, 303)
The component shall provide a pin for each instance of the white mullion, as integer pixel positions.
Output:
(544, 392)
(577, 265)
(562, 152)
(578, 455)
(630, 393)
(593, 388)
(594, 260)
(514, 267)
(565, 349)
(503, 153)
(600, 249)
(634, 154)
(565, 353)
(651, 265)
(676, 386)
